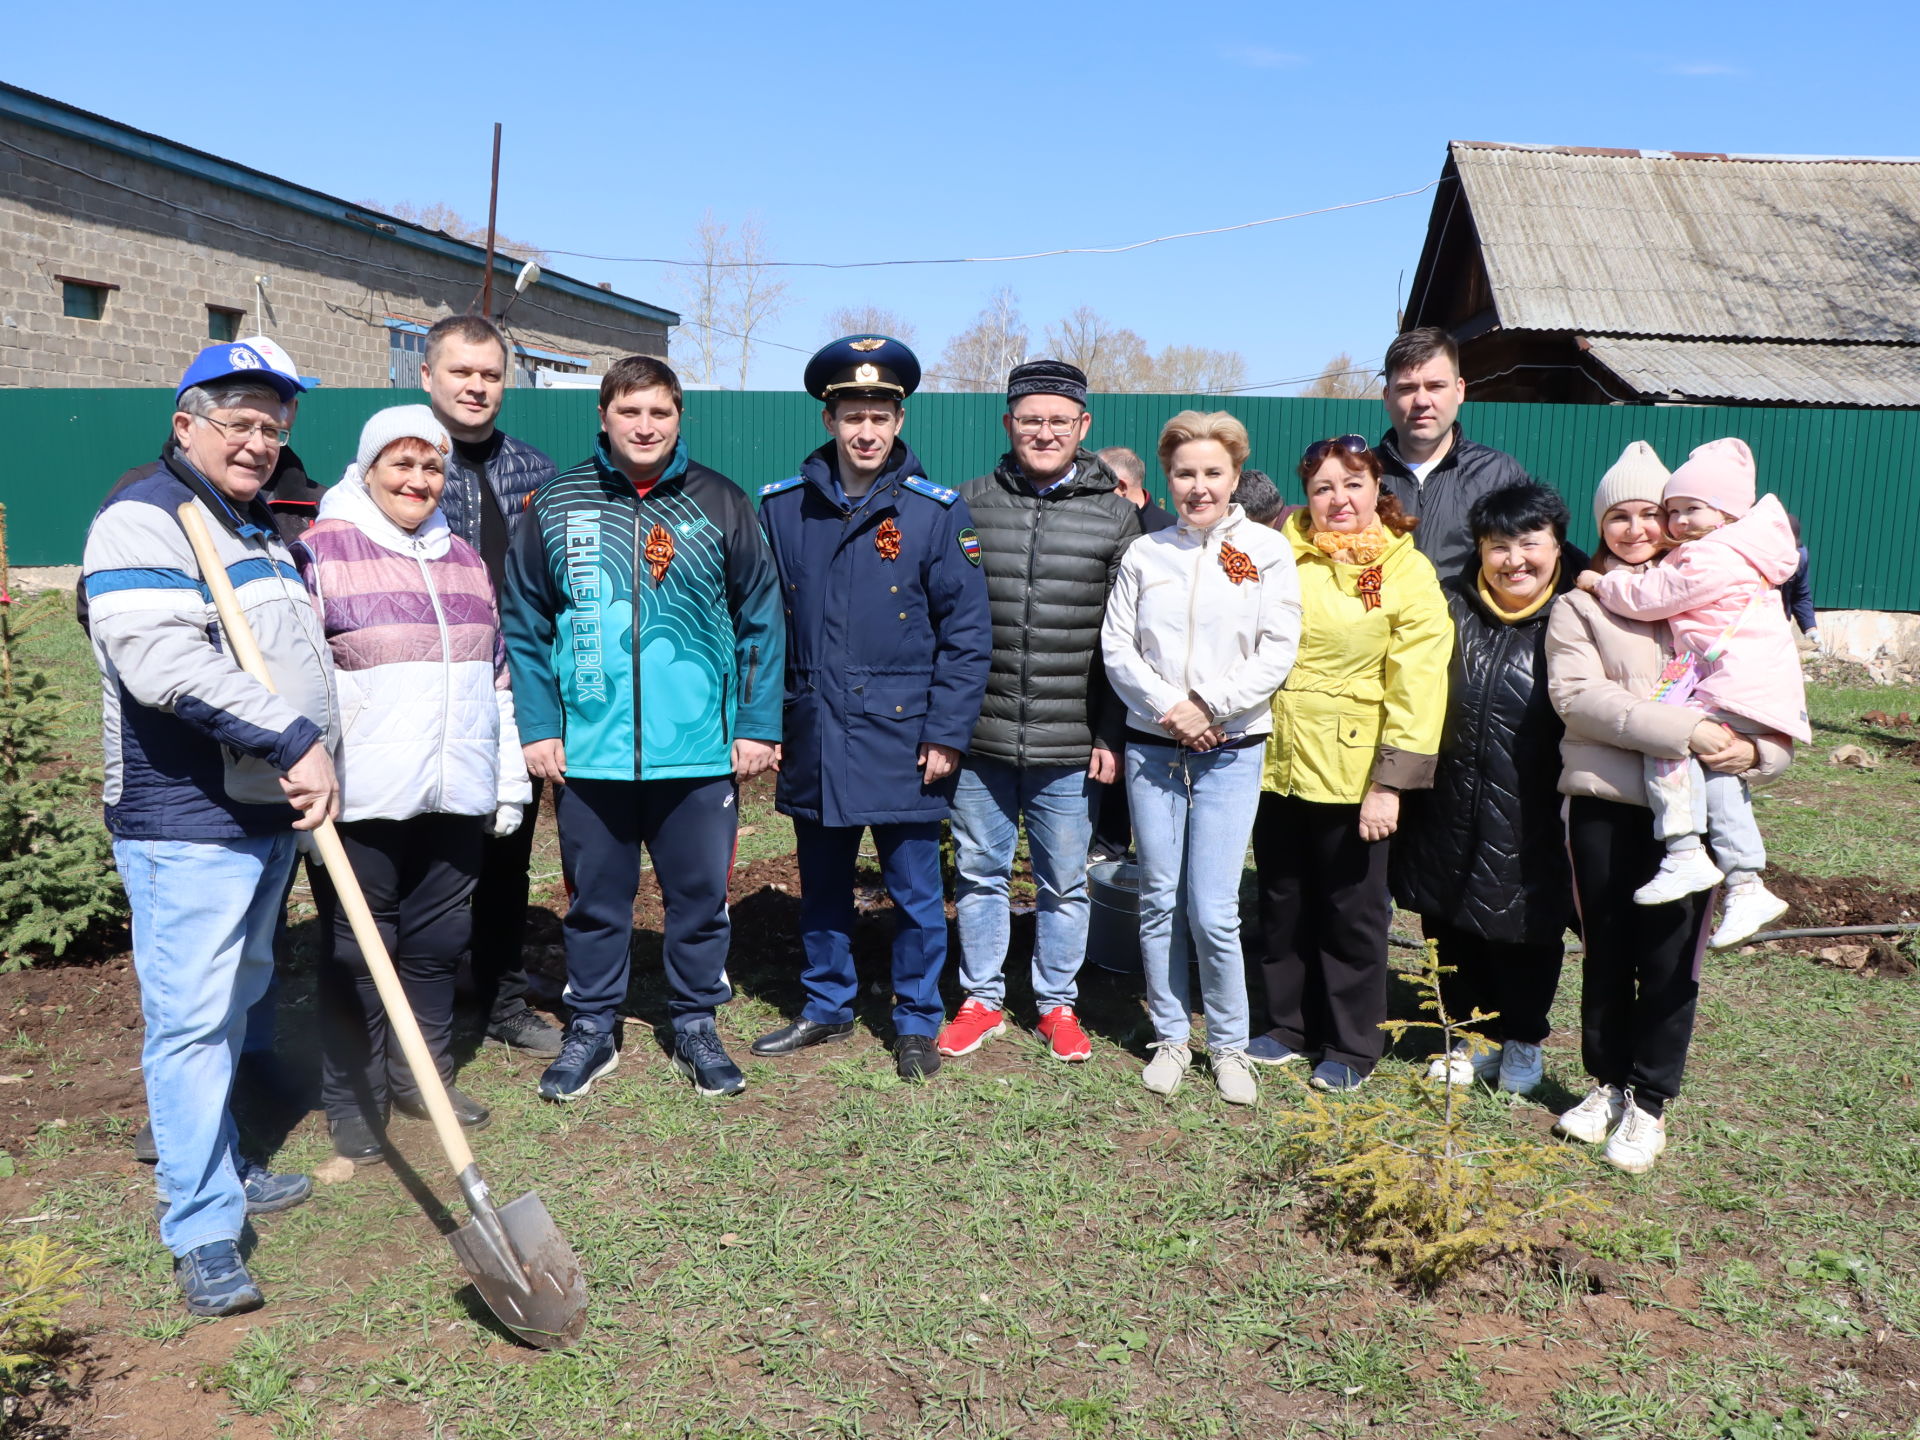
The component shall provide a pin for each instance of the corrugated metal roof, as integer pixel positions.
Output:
(1633, 243)
(1864, 375)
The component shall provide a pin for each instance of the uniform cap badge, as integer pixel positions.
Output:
(870, 342)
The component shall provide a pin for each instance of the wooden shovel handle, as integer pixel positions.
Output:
(246, 651)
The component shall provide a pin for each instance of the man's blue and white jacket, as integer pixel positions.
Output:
(194, 745)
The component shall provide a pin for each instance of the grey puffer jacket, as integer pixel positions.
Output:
(1468, 471)
(1050, 561)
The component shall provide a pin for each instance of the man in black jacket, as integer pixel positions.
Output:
(490, 476)
(1434, 471)
(1051, 524)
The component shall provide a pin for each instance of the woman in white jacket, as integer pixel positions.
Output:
(1200, 631)
(429, 759)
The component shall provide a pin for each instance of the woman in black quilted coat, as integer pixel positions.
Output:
(1482, 857)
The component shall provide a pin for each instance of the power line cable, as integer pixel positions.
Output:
(988, 259)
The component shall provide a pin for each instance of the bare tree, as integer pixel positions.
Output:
(700, 346)
(869, 320)
(444, 218)
(1193, 369)
(979, 357)
(755, 297)
(1341, 379)
(1114, 359)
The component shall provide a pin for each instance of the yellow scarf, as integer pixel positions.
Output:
(1361, 547)
(1514, 617)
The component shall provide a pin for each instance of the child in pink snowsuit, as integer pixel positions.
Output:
(1718, 593)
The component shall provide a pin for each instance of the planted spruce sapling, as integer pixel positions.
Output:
(57, 880)
(1404, 1176)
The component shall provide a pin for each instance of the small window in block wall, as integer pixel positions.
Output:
(223, 323)
(82, 301)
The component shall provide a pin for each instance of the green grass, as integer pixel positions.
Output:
(1020, 1249)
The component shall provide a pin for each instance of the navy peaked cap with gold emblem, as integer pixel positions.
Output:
(864, 367)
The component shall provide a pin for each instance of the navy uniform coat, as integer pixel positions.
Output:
(882, 655)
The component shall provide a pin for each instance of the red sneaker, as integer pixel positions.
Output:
(1061, 1030)
(972, 1027)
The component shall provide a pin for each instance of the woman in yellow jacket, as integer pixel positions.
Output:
(1357, 722)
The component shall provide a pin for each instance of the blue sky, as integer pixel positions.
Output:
(981, 129)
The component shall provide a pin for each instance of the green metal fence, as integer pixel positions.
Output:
(1853, 476)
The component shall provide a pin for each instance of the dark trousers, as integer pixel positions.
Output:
(1512, 981)
(1640, 981)
(1324, 908)
(1113, 826)
(910, 868)
(418, 877)
(500, 919)
(688, 828)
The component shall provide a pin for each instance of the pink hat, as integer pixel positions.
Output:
(1719, 472)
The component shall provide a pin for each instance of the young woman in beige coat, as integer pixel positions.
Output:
(1641, 975)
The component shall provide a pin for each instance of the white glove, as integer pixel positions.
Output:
(506, 820)
(307, 844)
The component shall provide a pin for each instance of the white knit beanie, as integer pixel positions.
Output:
(1636, 475)
(398, 422)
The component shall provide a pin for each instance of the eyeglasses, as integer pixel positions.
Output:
(239, 432)
(1320, 449)
(1058, 425)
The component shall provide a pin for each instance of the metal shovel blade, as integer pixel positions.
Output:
(524, 1269)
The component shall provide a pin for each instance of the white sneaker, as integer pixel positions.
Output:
(1168, 1068)
(1233, 1073)
(1466, 1063)
(1594, 1117)
(1682, 873)
(1521, 1067)
(1637, 1141)
(1750, 907)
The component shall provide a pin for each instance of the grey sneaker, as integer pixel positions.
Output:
(1233, 1074)
(1168, 1067)
(1522, 1067)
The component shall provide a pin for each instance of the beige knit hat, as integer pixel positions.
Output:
(1636, 475)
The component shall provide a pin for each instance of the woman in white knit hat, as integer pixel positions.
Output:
(429, 761)
(1641, 974)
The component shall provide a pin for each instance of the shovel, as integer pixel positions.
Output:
(518, 1260)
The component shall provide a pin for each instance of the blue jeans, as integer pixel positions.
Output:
(910, 866)
(204, 914)
(1059, 804)
(1192, 816)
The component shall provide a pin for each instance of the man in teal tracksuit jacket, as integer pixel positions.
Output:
(647, 643)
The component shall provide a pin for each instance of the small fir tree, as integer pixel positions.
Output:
(57, 880)
(1406, 1178)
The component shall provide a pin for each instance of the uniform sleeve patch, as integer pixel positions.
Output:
(970, 544)
(777, 486)
(920, 485)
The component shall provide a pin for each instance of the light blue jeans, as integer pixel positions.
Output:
(1690, 801)
(204, 914)
(1192, 816)
(1059, 804)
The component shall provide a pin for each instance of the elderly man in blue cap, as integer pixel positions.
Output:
(888, 641)
(208, 775)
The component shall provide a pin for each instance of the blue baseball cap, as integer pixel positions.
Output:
(224, 362)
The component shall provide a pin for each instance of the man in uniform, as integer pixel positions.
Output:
(888, 641)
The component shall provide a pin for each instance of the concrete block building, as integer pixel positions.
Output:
(122, 253)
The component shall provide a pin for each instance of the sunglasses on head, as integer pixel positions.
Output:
(1320, 449)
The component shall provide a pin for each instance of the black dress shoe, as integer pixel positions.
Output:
(915, 1058)
(356, 1138)
(471, 1114)
(800, 1034)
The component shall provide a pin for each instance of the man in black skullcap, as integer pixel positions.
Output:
(1052, 522)
(887, 641)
